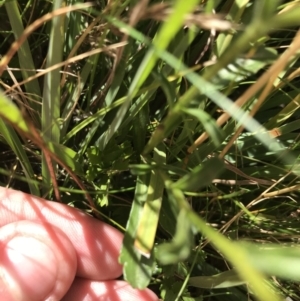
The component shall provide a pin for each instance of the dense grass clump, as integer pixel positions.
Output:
(175, 121)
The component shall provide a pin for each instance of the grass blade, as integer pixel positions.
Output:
(12, 114)
(147, 227)
(25, 60)
(51, 91)
(137, 269)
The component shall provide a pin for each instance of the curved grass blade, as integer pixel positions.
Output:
(14, 142)
(200, 176)
(180, 247)
(275, 260)
(223, 280)
(216, 134)
(66, 155)
(11, 113)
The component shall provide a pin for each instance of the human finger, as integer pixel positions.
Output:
(96, 244)
(34, 266)
(86, 290)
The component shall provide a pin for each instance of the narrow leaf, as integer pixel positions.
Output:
(200, 176)
(12, 114)
(216, 134)
(148, 223)
(275, 260)
(223, 280)
(51, 92)
(180, 247)
(137, 269)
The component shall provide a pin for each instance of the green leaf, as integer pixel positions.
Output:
(180, 246)
(147, 227)
(140, 169)
(137, 269)
(223, 280)
(237, 255)
(216, 134)
(264, 10)
(274, 260)
(11, 113)
(287, 18)
(67, 155)
(168, 218)
(239, 70)
(14, 142)
(103, 187)
(25, 60)
(52, 90)
(139, 128)
(200, 176)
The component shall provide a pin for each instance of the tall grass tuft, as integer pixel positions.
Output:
(175, 121)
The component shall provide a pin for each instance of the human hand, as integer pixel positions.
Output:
(50, 251)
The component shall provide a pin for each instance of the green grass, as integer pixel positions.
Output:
(177, 122)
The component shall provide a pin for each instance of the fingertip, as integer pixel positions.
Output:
(24, 263)
(35, 264)
(97, 245)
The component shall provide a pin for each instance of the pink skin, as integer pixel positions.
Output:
(52, 252)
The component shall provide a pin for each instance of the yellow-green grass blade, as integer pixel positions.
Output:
(137, 269)
(12, 114)
(275, 260)
(9, 112)
(66, 155)
(216, 134)
(14, 142)
(223, 280)
(148, 223)
(25, 59)
(52, 91)
(200, 176)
